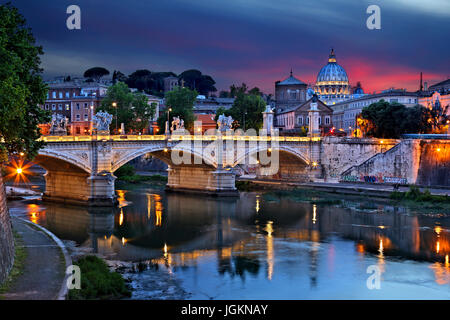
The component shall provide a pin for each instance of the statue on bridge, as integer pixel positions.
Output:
(177, 124)
(101, 122)
(58, 125)
(224, 123)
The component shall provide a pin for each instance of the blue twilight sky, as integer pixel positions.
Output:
(251, 41)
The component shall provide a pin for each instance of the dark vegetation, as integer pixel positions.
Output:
(127, 173)
(414, 194)
(97, 282)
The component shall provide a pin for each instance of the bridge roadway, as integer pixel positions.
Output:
(80, 169)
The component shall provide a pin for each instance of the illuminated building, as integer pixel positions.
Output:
(332, 83)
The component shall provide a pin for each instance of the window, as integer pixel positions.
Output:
(78, 117)
(293, 95)
(60, 95)
(53, 106)
(54, 94)
(307, 120)
(77, 130)
(320, 120)
(85, 105)
(73, 95)
(67, 94)
(300, 120)
(327, 120)
(86, 117)
(47, 107)
(60, 107)
(67, 107)
(78, 106)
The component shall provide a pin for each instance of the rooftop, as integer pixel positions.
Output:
(290, 81)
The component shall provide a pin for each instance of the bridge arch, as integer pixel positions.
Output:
(160, 153)
(52, 160)
(289, 150)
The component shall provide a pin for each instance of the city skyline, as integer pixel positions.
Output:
(253, 42)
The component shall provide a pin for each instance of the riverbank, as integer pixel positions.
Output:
(41, 273)
(360, 189)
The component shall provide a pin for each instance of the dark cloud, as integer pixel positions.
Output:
(252, 41)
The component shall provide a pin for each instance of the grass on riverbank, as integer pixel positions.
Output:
(97, 282)
(414, 194)
(127, 173)
(303, 195)
(139, 179)
(20, 255)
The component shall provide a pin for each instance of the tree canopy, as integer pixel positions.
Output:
(132, 109)
(95, 73)
(181, 101)
(195, 80)
(247, 108)
(21, 87)
(390, 120)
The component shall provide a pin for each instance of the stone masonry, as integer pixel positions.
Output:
(6, 237)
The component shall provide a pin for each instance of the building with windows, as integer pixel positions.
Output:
(345, 112)
(289, 93)
(442, 87)
(170, 83)
(292, 120)
(78, 101)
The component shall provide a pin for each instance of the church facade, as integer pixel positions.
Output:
(296, 120)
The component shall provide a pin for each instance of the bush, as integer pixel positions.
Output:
(414, 194)
(125, 170)
(97, 282)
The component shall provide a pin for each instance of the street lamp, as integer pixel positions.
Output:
(114, 104)
(168, 119)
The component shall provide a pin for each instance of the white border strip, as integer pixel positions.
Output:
(68, 260)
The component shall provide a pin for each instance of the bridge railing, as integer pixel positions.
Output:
(175, 138)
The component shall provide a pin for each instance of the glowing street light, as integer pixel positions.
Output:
(114, 104)
(19, 170)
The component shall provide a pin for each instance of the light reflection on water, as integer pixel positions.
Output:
(258, 248)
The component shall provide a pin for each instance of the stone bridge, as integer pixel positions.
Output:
(80, 169)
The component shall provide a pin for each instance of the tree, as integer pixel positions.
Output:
(21, 87)
(95, 73)
(390, 120)
(143, 112)
(150, 82)
(118, 77)
(247, 107)
(132, 109)
(235, 90)
(21, 92)
(181, 101)
(195, 80)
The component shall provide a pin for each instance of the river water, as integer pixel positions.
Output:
(260, 245)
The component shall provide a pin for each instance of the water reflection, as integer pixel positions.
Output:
(252, 237)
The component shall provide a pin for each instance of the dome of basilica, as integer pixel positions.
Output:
(332, 72)
(332, 83)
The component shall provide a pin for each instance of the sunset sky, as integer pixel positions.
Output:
(251, 41)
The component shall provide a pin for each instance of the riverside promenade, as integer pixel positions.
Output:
(43, 271)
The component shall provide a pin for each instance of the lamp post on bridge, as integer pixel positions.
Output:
(167, 122)
(114, 104)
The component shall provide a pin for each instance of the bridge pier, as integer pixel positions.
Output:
(80, 188)
(101, 190)
(205, 180)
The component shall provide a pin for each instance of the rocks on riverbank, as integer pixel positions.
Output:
(146, 280)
